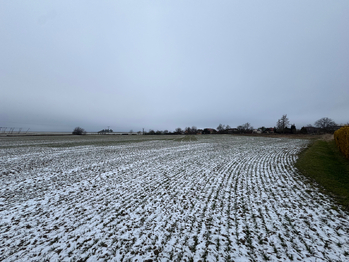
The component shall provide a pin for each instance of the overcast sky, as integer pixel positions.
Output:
(166, 64)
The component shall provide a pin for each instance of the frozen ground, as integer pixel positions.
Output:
(221, 198)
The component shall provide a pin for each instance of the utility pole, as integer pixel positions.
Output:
(19, 131)
(27, 131)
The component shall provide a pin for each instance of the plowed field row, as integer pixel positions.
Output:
(221, 198)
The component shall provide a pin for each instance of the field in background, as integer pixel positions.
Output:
(212, 198)
(66, 140)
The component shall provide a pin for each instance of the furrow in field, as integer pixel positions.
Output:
(221, 198)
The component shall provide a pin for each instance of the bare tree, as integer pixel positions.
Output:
(178, 130)
(325, 123)
(247, 127)
(282, 123)
(194, 130)
(220, 128)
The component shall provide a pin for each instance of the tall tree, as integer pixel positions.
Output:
(282, 123)
(178, 130)
(194, 130)
(220, 128)
(325, 123)
(247, 127)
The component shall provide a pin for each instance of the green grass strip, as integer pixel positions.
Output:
(323, 162)
(187, 138)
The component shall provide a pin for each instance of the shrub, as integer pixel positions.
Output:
(79, 131)
(303, 130)
(341, 136)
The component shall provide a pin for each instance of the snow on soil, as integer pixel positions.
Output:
(221, 198)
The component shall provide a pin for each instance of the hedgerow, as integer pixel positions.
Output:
(341, 137)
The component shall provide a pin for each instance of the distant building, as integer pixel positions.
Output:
(199, 132)
(312, 129)
(232, 131)
(209, 131)
(332, 129)
(269, 130)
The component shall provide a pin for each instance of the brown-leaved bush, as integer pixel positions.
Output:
(341, 136)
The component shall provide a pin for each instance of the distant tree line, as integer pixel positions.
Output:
(105, 131)
(323, 125)
(283, 126)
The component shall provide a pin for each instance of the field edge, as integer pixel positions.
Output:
(327, 168)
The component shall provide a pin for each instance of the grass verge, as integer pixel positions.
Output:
(323, 162)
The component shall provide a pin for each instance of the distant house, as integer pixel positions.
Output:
(317, 130)
(269, 130)
(232, 131)
(199, 132)
(332, 129)
(312, 129)
(209, 131)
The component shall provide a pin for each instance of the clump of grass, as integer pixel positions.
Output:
(323, 162)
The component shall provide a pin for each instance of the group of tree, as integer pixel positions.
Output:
(323, 125)
(105, 131)
(158, 132)
(178, 131)
(221, 129)
(226, 129)
(79, 131)
(245, 128)
(283, 126)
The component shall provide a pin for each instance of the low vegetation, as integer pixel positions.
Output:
(324, 164)
(341, 137)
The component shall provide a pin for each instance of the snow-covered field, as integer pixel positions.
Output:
(221, 198)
